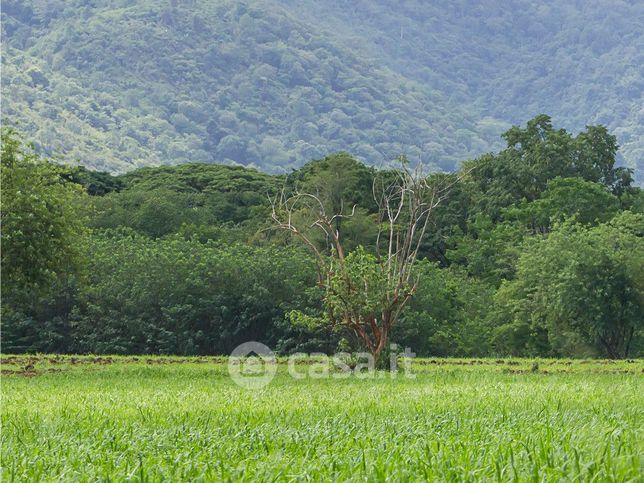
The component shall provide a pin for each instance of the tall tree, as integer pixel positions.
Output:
(587, 280)
(366, 292)
(43, 221)
(539, 153)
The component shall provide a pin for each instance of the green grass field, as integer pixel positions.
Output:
(153, 419)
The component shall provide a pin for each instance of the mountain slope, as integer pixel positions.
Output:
(580, 62)
(275, 83)
(152, 83)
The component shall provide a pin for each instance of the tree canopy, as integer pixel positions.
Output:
(43, 220)
(535, 251)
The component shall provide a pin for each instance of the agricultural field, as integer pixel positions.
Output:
(162, 418)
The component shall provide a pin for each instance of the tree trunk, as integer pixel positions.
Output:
(380, 347)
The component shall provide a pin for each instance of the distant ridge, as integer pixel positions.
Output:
(273, 84)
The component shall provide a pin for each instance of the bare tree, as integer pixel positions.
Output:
(367, 293)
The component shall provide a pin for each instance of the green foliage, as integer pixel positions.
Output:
(176, 296)
(446, 316)
(537, 154)
(506, 60)
(148, 83)
(583, 280)
(121, 85)
(359, 285)
(43, 221)
(41, 323)
(180, 260)
(448, 220)
(488, 250)
(206, 201)
(343, 185)
(339, 180)
(306, 329)
(585, 201)
(96, 183)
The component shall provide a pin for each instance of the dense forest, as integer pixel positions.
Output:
(273, 84)
(537, 250)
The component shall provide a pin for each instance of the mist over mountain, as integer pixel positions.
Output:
(272, 84)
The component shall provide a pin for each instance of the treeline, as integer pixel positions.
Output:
(537, 250)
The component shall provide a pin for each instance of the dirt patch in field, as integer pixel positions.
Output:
(30, 366)
(568, 371)
(25, 372)
(472, 362)
(23, 361)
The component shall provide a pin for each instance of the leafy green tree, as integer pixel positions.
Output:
(43, 221)
(43, 324)
(488, 251)
(543, 176)
(341, 183)
(338, 180)
(222, 201)
(586, 201)
(96, 183)
(594, 153)
(537, 154)
(582, 280)
(633, 200)
(449, 220)
(43, 237)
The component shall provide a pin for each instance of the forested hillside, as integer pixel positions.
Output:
(274, 84)
(129, 85)
(581, 62)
